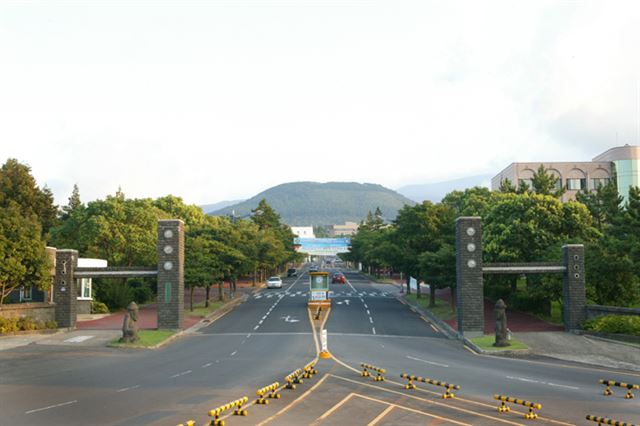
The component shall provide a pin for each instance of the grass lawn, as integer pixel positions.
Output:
(486, 343)
(442, 310)
(147, 338)
(200, 311)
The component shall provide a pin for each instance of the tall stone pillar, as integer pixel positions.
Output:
(574, 287)
(170, 274)
(64, 289)
(469, 284)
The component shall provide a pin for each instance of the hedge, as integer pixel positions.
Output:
(614, 324)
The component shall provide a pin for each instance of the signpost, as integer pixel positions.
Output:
(319, 289)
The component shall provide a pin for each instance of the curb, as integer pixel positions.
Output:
(504, 352)
(208, 320)
(442, 326)
(610, 340)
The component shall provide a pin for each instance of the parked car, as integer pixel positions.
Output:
(292, 272)
(274, 282)
(338, 278)
(313, 268)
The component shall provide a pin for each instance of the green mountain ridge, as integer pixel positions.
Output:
(313, 203)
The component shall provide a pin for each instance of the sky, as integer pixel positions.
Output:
(220, 100)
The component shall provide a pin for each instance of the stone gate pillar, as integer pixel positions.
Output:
(469, 284)
(64, 288)
(574, 287)
(170, 274)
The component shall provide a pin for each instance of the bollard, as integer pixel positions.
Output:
(606, 421)
(503, 408)
(309, 370)
(215, 413)
(448, 386)
(293, 379)
(365, 372)
(188, 423)
(272, 388)
(629, 386)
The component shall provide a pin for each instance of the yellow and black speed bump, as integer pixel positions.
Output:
(293, 379)
(273, 393)
(367, 367)
(215, 413)
(448, 386)
(309, 370)
(628, 386)
(188, 423)
(504, 408)
(606, 421)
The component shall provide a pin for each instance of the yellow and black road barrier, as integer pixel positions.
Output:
(293, 379)
(310, 370)
(188, 423)
(239, 411)
(317, 315)
(629, 386)
(272, 389)
(448, 386)
(366, 373)
(504, 408)
(606, 421)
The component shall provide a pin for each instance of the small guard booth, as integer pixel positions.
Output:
(319, 289)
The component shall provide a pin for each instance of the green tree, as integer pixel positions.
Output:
(23, 260)
(507, 187)
(545, 183)
(73, 204)
(19, 186)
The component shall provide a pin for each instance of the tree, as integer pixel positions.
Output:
(545, 183)
(604, 204)
(22, 251)
(74, 203)
(19, 186)
(507, 187)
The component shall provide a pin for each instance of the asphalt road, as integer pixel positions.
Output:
(270, 335)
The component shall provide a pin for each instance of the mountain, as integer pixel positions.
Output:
(436, 191)
(313, 203)
(208, 208)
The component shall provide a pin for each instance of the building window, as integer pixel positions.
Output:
(26, 293)
(596, 182)
(84, 288)
(576, 184)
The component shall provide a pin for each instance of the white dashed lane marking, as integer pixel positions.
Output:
(184, 373)
(428, 362)
(51, 406)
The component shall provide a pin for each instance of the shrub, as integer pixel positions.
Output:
(115, 293)
(614, 324)
(10, 325)
(142, 294)
(98, 307)
(51, 324)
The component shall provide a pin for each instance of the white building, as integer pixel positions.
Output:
(303, 231)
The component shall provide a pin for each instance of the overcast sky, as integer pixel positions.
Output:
(220, 100)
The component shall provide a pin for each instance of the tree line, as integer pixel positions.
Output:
(519, 225)
(124, 232)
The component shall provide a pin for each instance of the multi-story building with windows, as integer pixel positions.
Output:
(621, 164)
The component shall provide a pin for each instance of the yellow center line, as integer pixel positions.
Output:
(295, 401)
(313, 332)
(381, 415)
(464, 410)
(334, 408)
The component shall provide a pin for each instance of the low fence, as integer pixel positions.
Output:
(41, 311)
(598, 310)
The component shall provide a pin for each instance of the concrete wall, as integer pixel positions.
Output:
(39, 311)
(598, 310)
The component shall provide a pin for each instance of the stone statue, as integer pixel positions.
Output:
(501, 324)
(130, 324)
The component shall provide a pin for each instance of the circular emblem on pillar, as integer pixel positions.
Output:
(168, 233)
(168, 249)
(168, 266)
(471, 247)
(576, 257)
(576, 276)
(471, 263)
(471, 231)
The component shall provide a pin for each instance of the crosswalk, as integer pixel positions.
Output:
(269, 294)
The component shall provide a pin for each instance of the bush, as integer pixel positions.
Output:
(11, 325)
(98, 307)
(614, 324)
(142, 293)
(115, 293)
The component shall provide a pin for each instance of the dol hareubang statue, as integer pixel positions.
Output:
(130, 324)
(501, 324)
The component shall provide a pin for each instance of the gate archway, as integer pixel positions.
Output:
(470, 272)
(169, 273)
